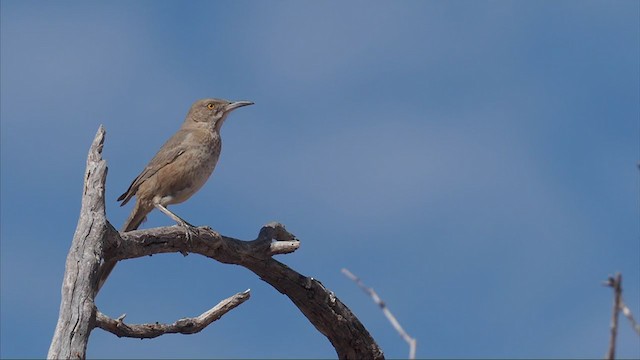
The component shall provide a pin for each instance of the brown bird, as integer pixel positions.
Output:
(179, 169)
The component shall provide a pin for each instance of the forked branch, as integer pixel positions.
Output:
(96, 241)
(321, 307)
(615, 282)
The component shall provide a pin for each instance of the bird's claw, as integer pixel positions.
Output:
(190, 232)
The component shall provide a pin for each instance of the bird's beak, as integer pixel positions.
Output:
(236, 104)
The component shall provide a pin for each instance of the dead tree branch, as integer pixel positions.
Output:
(321, 307)
(392, 319)
(627, 313)
(96, 241)
(182, 326)
(616, 284)
(77, 309)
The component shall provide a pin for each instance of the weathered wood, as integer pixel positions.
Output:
(96, 241)
(182, 326)
(321, 307)
(77, 309)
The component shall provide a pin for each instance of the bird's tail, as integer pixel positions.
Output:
(137, 217)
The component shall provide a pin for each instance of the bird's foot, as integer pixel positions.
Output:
(190, 232)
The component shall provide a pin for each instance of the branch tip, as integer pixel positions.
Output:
(385, 310)
(183, 326)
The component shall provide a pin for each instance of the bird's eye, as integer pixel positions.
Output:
(210, 106)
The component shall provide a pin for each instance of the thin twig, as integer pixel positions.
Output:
(320, 306)
(616, 284)
(392, 319)
(182, 326)
(627, 312)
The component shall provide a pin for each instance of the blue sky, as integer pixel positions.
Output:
(474, 162)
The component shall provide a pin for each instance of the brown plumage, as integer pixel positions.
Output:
(180, 168)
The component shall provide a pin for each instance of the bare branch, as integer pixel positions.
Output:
(627, 312)
(321, 307)
(283, 247)
(272, 239)
(182, 326)
(616, 284)
(75, 320)
(392, 319)
(96, 242)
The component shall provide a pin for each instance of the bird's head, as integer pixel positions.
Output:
(212, 112)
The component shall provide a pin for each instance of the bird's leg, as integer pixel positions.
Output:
(190, 229)
(173, 216)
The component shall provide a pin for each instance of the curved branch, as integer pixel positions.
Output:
(96, 241)
(323, 309)
(182, 326)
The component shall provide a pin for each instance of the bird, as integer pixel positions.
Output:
(179, 169)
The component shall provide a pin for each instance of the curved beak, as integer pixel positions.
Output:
(236, 104)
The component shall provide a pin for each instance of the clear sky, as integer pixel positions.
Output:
(474, 162)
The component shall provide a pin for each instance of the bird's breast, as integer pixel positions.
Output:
(192, 169)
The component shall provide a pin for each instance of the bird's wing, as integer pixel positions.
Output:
(168, 153)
